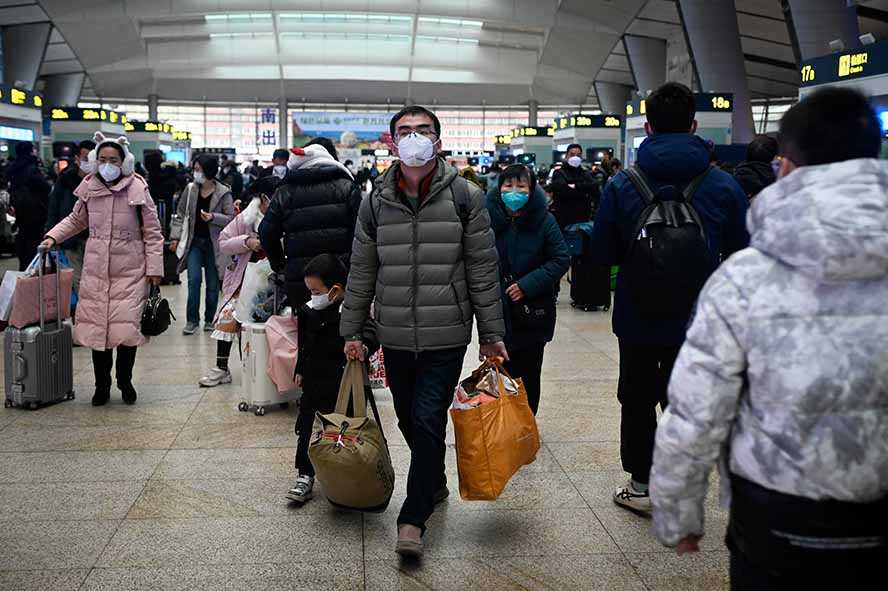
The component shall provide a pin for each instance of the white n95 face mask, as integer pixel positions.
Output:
(110, 172)
(320, 302)
(574, 161)
(280, 171)
(199, 178)
(416, 150)
(86, 166)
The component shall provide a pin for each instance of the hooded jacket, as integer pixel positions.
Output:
(427, 271)
(753, 176)
(314, 211)
(667, 159)
(120, 253)
(532, 250)
(233, 244)
(784, 372)
(222, 208)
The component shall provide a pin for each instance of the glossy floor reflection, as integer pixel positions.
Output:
(182, 491)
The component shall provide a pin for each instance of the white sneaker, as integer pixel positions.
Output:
(189, 329)
(301, 491)
(635, 501)
(215, 377)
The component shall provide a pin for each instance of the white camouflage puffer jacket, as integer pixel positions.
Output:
(785, 368)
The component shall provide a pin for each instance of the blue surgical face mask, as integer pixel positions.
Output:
(515, 200)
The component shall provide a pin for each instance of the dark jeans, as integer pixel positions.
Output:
(527, 363)
(202, 259)
(644, 377)
(781, 541)
(103, 362)
(422, 387)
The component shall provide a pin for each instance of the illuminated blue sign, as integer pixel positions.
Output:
(18, 134)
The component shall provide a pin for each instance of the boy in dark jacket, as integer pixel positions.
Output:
(320, 363)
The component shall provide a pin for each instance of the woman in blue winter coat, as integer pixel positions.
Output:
(533, 257)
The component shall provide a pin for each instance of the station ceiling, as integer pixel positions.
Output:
(449, 52)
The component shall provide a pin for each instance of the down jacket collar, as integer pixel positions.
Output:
(314, 175)
(830, 222)
(388, 183)
(133, 185)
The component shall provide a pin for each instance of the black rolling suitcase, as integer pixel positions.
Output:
(590, 285)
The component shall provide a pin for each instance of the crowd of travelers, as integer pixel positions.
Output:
(751, 308)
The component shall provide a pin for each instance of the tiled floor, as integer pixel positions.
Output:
(182, 491)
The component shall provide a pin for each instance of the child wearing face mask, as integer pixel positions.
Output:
(320, 363)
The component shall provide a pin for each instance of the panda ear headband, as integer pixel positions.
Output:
(129, 161)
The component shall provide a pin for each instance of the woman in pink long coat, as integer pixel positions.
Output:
(124, 254)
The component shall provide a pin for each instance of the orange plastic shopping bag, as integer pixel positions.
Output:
(496, 437)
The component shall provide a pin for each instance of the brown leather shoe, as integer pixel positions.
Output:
(409, 541)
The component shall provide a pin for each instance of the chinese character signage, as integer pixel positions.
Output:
(365, 126)
(872, 60)
(20, 98)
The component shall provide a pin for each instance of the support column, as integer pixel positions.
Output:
(533, 107)
(647, 60)
(283, 124)
(152, 107)
(714, 42)
(63, 90)
(612, 97)
(817, 22)
(23, 50)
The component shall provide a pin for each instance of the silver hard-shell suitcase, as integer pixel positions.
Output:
(39, 360)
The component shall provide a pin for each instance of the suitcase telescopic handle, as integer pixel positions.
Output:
(44, 256)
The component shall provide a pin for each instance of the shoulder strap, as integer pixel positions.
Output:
(695, 183)
(639, 179)
(139, 215)
(461, 199)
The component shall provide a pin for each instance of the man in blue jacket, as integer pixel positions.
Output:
(671, 155)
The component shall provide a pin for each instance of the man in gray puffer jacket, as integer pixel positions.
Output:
(784, 373)
(424, 256)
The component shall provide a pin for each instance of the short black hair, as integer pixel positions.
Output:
(326, 143)
(518, 172)
(328, 268)
(255, 162)
(671, 109)
(112, 144)
(209, 164)
(414, 110)
(616, 162)
(572, 146)
(349, 162)
(830, 125)
(88, 145)
(265, 185)
(280, 154)
(762, 148)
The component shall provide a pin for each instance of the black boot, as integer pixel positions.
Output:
(126, 359)
(102, 362)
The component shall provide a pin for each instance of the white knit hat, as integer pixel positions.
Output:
(129, 161)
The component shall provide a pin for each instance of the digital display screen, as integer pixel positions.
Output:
(845, 65)
(533, 132)
(149, 127)
(704, 102)
(17, 134)
(598, 121)
(78, 114)
(20, 98)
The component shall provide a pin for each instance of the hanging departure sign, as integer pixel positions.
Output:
(714, 102)
(20, 98)
(78, 114)
(846, 65)
(181, 136)
(150, 127)
(503, 139)
(533, 132)
(581, 121)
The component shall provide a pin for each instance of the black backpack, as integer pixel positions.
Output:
(668, 260)
(157, 316)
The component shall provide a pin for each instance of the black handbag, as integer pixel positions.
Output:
(157, 316)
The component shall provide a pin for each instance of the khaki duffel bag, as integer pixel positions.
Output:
(349, 453)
